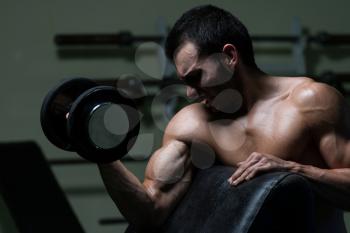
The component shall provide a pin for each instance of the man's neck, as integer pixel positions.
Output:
(253, 84)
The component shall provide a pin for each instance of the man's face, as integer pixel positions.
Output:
(204, 77)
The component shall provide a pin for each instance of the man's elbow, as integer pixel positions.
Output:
(161, 214)
(155, 217)
(152, 220)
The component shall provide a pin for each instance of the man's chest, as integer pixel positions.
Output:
(277, 130)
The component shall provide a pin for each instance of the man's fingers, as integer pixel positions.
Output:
(251, 160)
(246, 172)
(257, 171)
(242, 168)
(251, 172)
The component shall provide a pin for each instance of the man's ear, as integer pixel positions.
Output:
(231, 54)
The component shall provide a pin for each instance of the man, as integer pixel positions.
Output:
(250, 119)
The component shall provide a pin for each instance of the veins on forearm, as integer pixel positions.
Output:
(336, 178)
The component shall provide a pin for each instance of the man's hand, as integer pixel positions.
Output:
(257, 163)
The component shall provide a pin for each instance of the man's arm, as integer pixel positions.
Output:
(167, 177)
(327, 118)
(147, 204)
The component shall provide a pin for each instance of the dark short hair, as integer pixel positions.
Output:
(210, 28)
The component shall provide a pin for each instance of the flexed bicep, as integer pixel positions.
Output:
(169, 165)
(168, 176)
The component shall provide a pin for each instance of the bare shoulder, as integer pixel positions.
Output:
(311, 93)
(317, 100)
(189, 122)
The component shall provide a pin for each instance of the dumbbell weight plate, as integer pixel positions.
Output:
(103, 124)
(56, 105)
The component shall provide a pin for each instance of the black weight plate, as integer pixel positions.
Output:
(80, 115)
(56, 105)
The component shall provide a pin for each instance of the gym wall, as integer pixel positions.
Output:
(30, 65)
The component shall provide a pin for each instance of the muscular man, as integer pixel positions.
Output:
(250, 119)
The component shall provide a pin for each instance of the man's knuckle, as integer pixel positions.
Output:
(264, 160)
(255, 153)
(255, 160)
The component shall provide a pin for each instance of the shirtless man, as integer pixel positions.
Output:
(276, 123)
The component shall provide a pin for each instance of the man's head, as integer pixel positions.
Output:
(207, 44)
(209, 28)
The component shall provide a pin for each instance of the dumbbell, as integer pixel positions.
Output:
(100, 123)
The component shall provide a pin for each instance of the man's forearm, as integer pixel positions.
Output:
(332, 184)
(128, 193)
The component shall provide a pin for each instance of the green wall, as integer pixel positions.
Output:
(30, 65)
